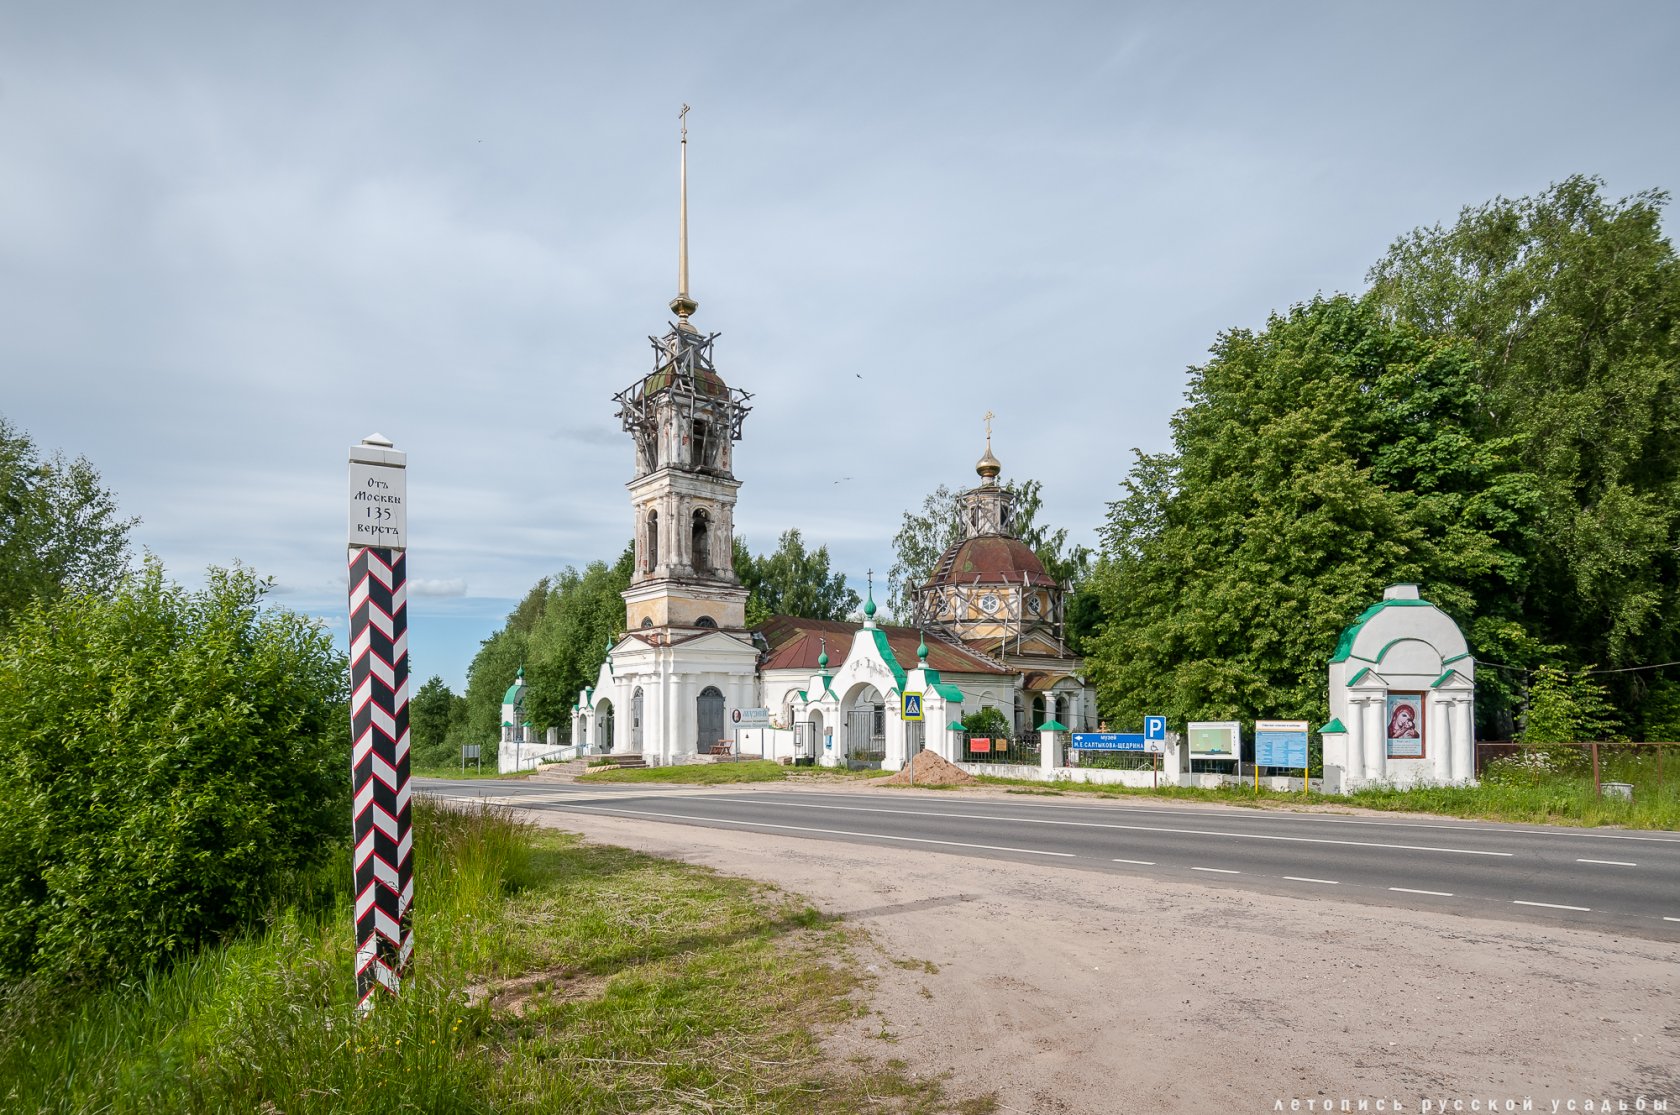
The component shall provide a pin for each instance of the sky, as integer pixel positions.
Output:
(235, 239)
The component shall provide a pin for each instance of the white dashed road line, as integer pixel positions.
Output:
(1552, 906)
(1436, 893)
(1217, 870)
(1139, 862)
(826, 832)
(1326, 882)
(1609, 862)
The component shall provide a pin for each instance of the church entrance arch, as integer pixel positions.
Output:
(865, 711)
(636, 721)
(708, 709)
(604, 725)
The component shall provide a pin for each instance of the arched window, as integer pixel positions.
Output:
(652, 548)
(702, 443)
(647, 621)
(705, 621)
(700, 542)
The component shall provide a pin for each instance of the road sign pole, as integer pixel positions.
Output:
(382, 816)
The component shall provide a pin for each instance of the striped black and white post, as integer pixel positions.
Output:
(383, 860)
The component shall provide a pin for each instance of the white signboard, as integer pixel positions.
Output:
(751, 717)
(1219, 740)
(378, 496)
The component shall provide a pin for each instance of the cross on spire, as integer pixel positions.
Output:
(987, 418)
(683, 305)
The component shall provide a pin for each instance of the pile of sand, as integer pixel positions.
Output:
(931, 770)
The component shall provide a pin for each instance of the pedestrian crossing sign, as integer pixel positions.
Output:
(912, 706)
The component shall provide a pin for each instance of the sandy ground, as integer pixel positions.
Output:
(1060, 990)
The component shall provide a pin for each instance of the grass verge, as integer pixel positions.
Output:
(550, 975)
(1541, 798)
(717, 774)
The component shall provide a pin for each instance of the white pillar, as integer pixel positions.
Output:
(1048, 746)
(1355, 746)
(1464, 742)
(1376, 749)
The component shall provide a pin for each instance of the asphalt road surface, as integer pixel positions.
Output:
(1611, 880)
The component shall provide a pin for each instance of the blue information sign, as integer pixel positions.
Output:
(1281, 749)
(1108, 741)
(1155, 727)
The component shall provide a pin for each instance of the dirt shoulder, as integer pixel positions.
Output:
(1066, 991)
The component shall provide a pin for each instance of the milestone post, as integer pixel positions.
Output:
(382, 818)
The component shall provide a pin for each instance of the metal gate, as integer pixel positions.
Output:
(866, 737)
(709, 711)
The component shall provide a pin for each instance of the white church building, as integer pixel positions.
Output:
(990, 619)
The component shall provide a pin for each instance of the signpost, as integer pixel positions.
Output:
(748, 718)
(471, 751)
(1280, 743)
(382, 816)
(912, 706)
(1215, 741)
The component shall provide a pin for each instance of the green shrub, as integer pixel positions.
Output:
(174, 763)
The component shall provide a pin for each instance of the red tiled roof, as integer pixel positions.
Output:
(990, 559)
(795, 644)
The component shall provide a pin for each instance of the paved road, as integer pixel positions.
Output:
(1622, 882)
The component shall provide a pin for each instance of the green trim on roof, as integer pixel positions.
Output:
(507, 723)
(1052, 726)
(1454, 658)
(804, 698)
(956, 726)
(511, 697)
(1335, 725)
(1354, 680)
(1442, 680)
(952, 695)
(1344, 645)
(887, 656)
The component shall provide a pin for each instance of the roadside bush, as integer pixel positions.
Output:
(173, 763)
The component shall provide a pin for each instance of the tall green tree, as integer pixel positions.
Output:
(59, 525)
(1316, 461)
(583, 614)
(1570, 303)
(791, 581)
(428, 723)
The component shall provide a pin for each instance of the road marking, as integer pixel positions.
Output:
(1300, 879)
(1217, 870)
(1308, 818)
(1129, 828)
(1609, 862)
(1552, 906)
(827, 832)
(1436, 893)
(1671, 919)
(1140, 862)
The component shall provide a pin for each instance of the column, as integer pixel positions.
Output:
(1354, 773)
(1464, 741)
(1376, 743)
(1441, 741)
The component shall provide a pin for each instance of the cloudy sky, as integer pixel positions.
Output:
(236, 238)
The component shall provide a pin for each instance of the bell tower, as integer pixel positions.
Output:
(684, 421)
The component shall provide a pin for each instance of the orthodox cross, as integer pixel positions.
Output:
(987, 418)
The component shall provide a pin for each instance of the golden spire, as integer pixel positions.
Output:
(682, 305)
(988, 467)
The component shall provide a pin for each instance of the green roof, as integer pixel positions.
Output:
(1052, 726)
(956, 726)
(511, 697)
(1344, 645)
(887, 656)
(951, 693)
(1335, 725)
(1445, 677)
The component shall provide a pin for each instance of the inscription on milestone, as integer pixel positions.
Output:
(378, 505)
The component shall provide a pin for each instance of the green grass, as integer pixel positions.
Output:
(696, 774)
(550, 975)
(1557, 797)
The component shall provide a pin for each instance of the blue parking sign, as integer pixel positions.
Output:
(1154, 727)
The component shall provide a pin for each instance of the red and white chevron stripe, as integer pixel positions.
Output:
(383, 815)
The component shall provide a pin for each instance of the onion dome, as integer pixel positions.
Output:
(988, 466)
(921, 651)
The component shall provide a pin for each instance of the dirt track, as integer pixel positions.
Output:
(1062, 990)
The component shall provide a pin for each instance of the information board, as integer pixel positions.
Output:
(1281, 743)
(1108, 741)
(750, 717)
(1215, 740)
